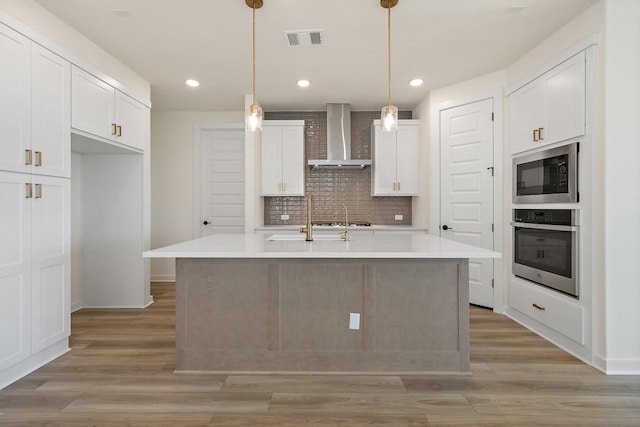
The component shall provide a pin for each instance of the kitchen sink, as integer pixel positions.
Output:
(301, 237)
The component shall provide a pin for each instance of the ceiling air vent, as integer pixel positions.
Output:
(303, 38)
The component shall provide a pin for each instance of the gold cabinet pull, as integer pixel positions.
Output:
(119, 128)
(28, 157)
(279, 186)
(38, 191)
(395, 186)
(29, 190)
(539, 307)
(38, 158)
(398, 186)
(540, 134)
(284, 186)
(113, 128)
(535, 135)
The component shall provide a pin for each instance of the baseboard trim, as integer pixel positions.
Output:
(618, 366)
(163, 278)
(35, 361)
(75, 306)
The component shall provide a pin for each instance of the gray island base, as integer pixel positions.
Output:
(278, 315)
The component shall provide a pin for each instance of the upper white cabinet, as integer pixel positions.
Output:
(395, 159)
(549, 109)
(282, 158)
(51, 113)
(101, 110)
(34, 107)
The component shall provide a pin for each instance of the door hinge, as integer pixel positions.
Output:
(492, 283)
(491, 116)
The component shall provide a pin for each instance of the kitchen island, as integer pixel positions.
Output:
(256, 303)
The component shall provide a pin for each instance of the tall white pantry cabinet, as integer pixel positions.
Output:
(34, 201)
(37, 137)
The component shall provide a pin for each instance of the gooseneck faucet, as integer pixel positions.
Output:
(308, 229)
(345, 234)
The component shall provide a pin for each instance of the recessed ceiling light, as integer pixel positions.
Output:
(304, 83)
(192, 83)
(416, 82)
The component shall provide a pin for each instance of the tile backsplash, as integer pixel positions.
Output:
(332, 188)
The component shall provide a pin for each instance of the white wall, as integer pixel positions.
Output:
(622, 181)
(172, 179)
(49, 26)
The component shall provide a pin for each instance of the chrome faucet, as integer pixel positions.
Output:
(345, 234)
(308, 229)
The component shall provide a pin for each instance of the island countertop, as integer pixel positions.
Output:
(416, 246)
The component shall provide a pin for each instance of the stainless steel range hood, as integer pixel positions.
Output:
(339, 140)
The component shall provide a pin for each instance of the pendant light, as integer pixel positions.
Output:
(389, 117)
(253, 119)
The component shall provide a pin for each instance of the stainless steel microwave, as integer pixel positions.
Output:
(548, 176)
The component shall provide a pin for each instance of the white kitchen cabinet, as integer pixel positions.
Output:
(51, 113)
(549, 109)
(100, 110)
(34, 264)
(548, 307)
(282, 158)
(395, 159)
(34, 107)
(15, 100)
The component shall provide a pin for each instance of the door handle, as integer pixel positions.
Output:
(446, 227)
(535, 135)
(113, 128)
(206, 222)
(119, 128)
(38, 158)
(29, 157)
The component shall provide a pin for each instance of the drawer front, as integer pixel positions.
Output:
(548, 308)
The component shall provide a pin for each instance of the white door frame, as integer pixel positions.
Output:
(198, 130)
(498, 181)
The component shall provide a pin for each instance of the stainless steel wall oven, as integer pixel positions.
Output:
(545, 248)
(549, 176)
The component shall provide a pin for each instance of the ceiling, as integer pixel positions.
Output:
(441, 41)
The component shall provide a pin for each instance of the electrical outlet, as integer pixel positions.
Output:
(399, 217)
(284, 217)
(354, 321)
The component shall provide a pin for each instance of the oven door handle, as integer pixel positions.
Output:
(552, 227)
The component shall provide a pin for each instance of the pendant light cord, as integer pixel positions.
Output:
(389, 48)
(254, 52)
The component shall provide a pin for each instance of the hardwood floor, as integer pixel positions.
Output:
(120, 373)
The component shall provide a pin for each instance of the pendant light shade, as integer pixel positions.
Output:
(253, 119)
(389, 117)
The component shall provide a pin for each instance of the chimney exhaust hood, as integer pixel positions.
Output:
(339, 140)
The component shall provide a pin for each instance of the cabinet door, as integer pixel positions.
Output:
(564, 100)
(15, 269)
(131, 121)
(50, 281)
(384, 162)
(271, 160)
(293, 160)
(15, 100)
(407, 146)
(92, 105)
(51, 118)
(525, 116)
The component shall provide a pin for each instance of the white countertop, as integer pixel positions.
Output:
(259, 246)
(351, 228)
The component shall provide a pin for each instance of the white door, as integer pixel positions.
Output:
(130, 121)
(15, 268)
(384, 167)
(51, 119)
(222, 181)
(408, 141)
(293, 160)
(92, 104)
(271, 160)
(51, 261)
(466, 192)
(15, 100)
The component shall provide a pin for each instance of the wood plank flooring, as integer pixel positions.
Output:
(120, 373)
